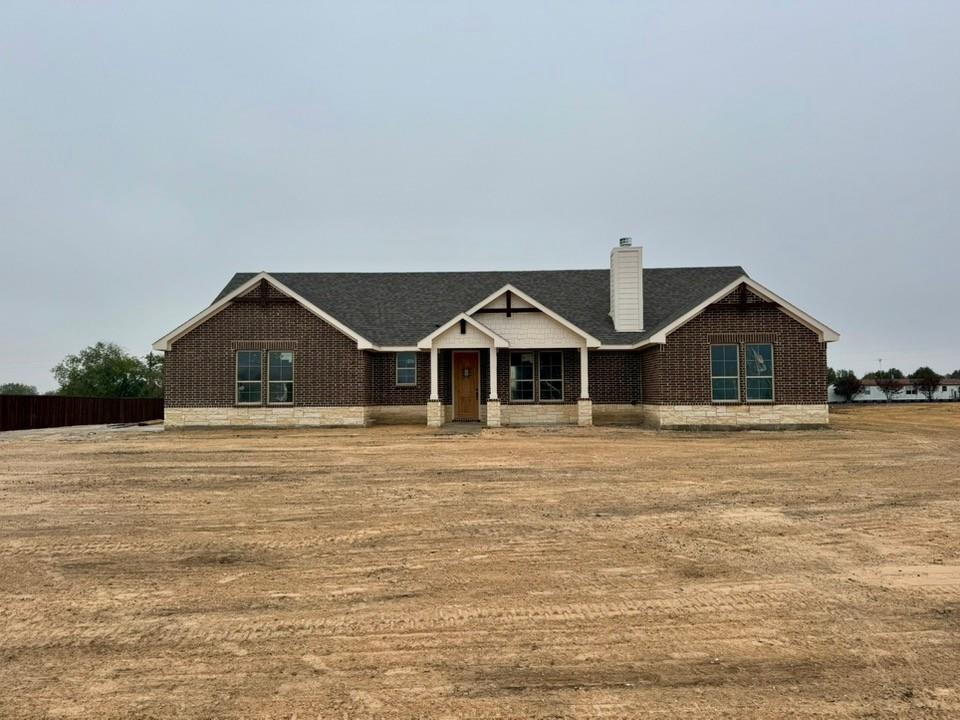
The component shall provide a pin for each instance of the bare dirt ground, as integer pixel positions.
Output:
(395, 572)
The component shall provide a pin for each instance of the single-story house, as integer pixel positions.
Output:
(671, 347)
(947, 389)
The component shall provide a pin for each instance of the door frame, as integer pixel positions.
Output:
(453, 380)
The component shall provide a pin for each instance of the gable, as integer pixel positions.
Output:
(526, 326)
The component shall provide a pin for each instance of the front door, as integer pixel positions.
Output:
(466, 386)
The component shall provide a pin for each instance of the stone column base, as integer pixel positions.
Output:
(434, 413)
(584, 413)
(493, 413)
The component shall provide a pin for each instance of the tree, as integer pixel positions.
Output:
(831, 376)
(889, 386)
(107, 370)
(926, 381)
(891, 374)
(847, 385)
(955, 375)
(15, 388)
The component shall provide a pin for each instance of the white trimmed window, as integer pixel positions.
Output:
(551, 376)
(725, 373)
(759, 372)
(249, 377)
(406, 368)
(521, 376)
(281, 378)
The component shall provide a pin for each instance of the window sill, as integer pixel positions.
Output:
(406, 385)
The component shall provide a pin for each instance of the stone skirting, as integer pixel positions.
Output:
(735, 416)
(559, 414)
(397, 414)
(618, 414)
(265, 416)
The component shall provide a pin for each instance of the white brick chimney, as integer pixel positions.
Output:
(626, 287)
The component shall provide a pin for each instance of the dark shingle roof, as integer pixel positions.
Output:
(402, 308)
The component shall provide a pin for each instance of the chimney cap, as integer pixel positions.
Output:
(626, 242)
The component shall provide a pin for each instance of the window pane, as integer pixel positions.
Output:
(521, 376)
(248, 392)
(760, 388)
(281, 392)
(760, 360)
(406, 368)
(551, 376)
(723, 361)
(724, 388)
(248, 365)
(281, 366)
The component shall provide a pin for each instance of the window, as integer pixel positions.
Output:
(406, 368)
(759, 373)
(248, 377)
(551, 376)
(521, 376)
(725, 373)
(281, 378)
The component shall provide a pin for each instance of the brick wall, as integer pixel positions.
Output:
(383, 380)
(329, 370)
(615, 376)
(680, 370)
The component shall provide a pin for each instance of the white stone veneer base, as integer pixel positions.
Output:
(735, 416)
(266, 416)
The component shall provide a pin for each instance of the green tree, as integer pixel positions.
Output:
(17, 389)
(926, 381)
(107, 370)
(847, 385)
(891, 374)
(955, 375)
(889, 386)
(831, 376)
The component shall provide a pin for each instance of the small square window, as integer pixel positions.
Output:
(406, 368)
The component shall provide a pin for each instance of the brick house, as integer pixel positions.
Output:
(671, 347)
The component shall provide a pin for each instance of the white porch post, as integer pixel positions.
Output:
(434, 408)
(493, 402)
(584, 374)
(434, 375)
(584, 404)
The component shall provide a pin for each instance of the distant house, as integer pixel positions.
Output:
(948, 389)
(672, 347)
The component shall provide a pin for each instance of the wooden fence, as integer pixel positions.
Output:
(23, 412)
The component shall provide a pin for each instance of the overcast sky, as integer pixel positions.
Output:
(150, 150)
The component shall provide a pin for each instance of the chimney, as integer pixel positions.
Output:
(626, 287)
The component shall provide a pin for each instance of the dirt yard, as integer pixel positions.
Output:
(396, 572)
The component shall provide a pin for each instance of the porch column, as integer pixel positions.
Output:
(493, 402)
(434, 408)
(584, 404)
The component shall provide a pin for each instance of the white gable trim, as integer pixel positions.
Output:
(824, 333)
(591, 341)
(427, 342)
(167, 340)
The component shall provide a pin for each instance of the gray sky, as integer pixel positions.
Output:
(150, 150)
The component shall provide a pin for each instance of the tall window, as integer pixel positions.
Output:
(249, 377)
(551, 376)
(724, 373)
(521, 376)
(759, 372)
(406, 368)
(281, 378)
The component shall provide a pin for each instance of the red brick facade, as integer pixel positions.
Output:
(329, 370)
(678, 373)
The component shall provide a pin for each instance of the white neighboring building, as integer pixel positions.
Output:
(948, 389)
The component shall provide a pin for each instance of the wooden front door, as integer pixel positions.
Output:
(466, 385)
